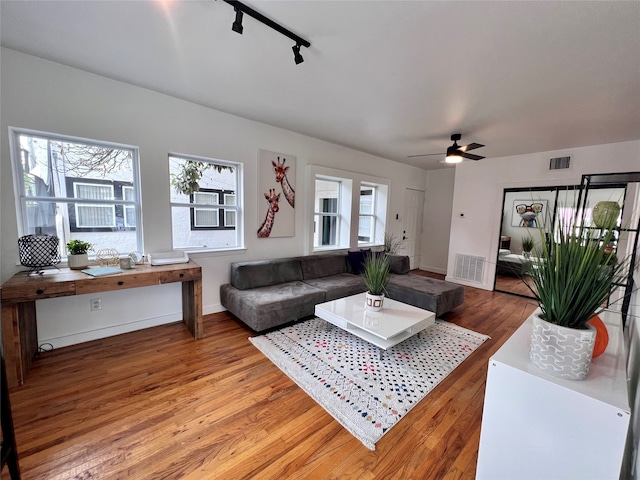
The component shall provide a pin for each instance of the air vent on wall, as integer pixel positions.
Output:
(559, 163)
(469, 267)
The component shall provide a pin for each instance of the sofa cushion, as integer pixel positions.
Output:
(356, 261)
(431, 294)
(399, 264)
(267, 307)
(262, 273)
(338, 286)
(317, 266)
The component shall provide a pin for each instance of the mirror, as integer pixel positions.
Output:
(532, 214)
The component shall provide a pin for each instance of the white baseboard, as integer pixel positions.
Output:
(429, 268)
(215, 308)
(73, 339)
(468, 284)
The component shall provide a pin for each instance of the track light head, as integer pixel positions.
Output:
(296, 54)
(237, 24)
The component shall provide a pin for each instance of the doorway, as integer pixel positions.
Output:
(412, 225)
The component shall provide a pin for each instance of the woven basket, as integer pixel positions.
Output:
(39, 250)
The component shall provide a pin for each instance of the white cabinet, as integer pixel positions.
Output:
(535, 426)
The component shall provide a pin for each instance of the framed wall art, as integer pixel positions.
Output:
(528, 213)
(276, 194)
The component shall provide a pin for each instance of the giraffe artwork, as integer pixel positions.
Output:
(276, 171)
(281, 177)
(272, 199)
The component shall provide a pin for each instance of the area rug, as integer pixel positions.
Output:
(365, 390)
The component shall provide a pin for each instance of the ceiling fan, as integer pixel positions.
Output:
(456, 153)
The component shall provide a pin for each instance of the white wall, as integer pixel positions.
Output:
(479, 188)
(437, 219)
(42, 95)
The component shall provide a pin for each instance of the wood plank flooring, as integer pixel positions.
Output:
(157, 404)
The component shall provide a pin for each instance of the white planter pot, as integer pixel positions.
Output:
(561, 351)
(374, 302)
(79, 261)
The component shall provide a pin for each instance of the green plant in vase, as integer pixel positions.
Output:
(375, 273)
(78, 257)
(527, 245)
(571, 279)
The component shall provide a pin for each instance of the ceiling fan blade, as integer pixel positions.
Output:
(470, 156)
(425, 155)
(471, 146)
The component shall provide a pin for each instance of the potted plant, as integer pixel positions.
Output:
(527, 246)
(78, 257)
(392, 243)
(571, 279)
(375, 273)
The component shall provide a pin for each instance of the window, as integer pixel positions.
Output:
(204, 207)
(349, 209)
(327, 216)
(128, 193)
(76, 189)
(92, 217)
(204, 217)
(367, 218)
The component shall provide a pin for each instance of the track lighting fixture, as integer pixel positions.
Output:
(296, 54)
(241, 8)
(237, 24)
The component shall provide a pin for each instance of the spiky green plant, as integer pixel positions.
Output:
(527, 243)
(375, 272)
(573, 275)
(392, 243)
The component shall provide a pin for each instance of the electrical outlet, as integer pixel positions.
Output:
(95, 304)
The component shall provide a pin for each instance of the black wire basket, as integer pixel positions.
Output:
(38, 251)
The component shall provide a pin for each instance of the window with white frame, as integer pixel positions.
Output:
(349, 209)
(204, 206)
(327, 214)
(367, 214)
(204, 217)
(76, 189)
(128, 193)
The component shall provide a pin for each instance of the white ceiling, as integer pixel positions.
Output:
(392, 78)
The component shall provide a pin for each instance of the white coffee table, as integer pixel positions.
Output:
(393, 324)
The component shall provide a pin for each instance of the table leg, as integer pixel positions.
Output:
(192, 307)
(19, 340)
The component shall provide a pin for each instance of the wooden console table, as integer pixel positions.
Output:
(20, 292)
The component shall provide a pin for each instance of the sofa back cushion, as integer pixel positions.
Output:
(399, 264)
(356, 260)
(317, 266)
(263, 273)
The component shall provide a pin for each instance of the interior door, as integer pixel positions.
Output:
(412, 225)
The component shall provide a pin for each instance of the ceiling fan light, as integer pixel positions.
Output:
(453, 159)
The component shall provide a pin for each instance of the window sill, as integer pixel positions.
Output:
(330, 249)
(214, 252)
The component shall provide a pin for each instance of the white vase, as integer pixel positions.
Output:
(78, 261)
(374, 302)
(561, 351)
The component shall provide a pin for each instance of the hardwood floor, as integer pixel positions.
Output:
(506, 283)
(157, 404)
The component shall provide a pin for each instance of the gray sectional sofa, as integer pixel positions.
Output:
(268, 293)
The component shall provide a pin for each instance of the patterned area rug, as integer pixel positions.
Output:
(365, 389)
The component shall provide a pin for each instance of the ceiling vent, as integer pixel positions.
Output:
(559, 163)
